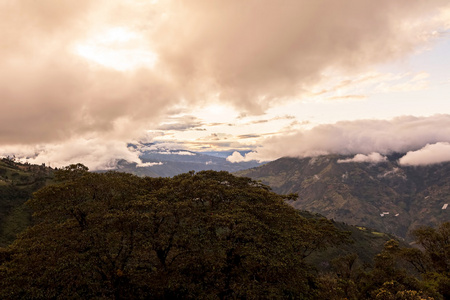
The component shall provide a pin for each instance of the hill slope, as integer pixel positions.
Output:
(385, 196)
(17, 183)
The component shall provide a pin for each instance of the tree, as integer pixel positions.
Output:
(434, 261)
(194, 236)
(71, 172)
(412, 273)
(436, 243)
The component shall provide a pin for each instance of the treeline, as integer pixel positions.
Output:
(18, 181)
(206, 235)
(397, 273)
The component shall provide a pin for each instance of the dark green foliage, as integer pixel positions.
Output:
(434, 262)
(71, 172)
(436, 243)
(208, 235)
(398, 272)
(363, 242)
(17, 183)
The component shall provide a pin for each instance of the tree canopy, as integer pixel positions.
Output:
(398, 273)
(206, 235)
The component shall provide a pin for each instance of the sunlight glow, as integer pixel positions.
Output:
(215, 112)
(118, 48)
(216, 109)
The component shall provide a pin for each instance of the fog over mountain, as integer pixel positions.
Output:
(424, 139)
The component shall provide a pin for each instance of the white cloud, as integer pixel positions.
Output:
(176, 152)
(149, 164)
(430, 154)
(55, 98)
(400, 134)
(95, 153)
(50, 94)
(236, 157)
(373, 157)
(359, 87)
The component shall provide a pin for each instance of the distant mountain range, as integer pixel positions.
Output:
(385, 196)
(162, 162)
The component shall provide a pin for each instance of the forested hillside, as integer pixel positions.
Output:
(17, 183)
(116, 235)
(206, 235)
(385, 196)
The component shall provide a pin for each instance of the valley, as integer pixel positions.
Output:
(385, 196)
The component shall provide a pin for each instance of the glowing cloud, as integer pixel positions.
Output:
(152, 55)
(118, 48)
(430, 154)
(236, 157)
(96, 153)
(74, 71)
(400, 134)
(373, 158)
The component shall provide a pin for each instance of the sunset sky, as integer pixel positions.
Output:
(79, 80)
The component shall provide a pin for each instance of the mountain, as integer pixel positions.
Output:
(385, 196)
(163, 162)
(17, 183)
(19, 180)
(162, 236)
(364, 242)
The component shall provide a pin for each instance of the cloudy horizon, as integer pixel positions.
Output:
(81, 80)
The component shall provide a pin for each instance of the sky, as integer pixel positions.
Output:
(80, 80)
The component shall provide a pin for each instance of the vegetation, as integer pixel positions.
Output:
(204, 235)
(17, 183)
(398, 272)
(359, 193)
(364, 242)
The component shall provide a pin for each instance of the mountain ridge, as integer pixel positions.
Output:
(158, 161)
(386, 196)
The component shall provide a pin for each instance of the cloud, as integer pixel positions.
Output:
(262, 121)
(248, 136)
(218, 136)
(373, 157)
(430, 154)
(96, 153)
(258, 52)
(161, 147)
(169, 152)
(361, 86)
(400, 134)
(149, 164)
(236, 157)
(182, 124)
(349, 97)
(50, 94)
(252, 54)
